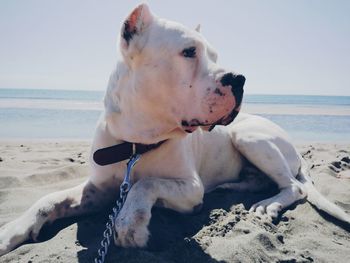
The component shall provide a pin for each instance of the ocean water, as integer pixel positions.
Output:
(301, 100)
(66, 114)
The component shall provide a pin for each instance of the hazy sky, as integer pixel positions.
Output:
(282, 47)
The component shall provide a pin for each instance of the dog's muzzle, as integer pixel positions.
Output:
(236, 83)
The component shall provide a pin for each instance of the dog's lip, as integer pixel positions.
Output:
(189, 129)
(225, 120)
(205, 126)
(191, 126)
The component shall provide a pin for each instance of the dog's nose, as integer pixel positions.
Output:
(236, 82)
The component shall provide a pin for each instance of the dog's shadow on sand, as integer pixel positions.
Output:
(171, 232)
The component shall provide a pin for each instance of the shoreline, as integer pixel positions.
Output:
(89, 141)
(45, 140)
(252, 108)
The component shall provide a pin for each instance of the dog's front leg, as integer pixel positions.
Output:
(182, 195)
(85, 198)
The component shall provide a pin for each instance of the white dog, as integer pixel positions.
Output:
(168, 88)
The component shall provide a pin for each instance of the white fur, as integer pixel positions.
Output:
(152, 90)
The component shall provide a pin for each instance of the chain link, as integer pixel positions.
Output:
(108, 232)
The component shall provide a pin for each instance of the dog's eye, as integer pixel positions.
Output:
(189, 52)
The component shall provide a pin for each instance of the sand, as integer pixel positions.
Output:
(222, 232)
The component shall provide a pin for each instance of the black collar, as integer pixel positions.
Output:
(121, 152)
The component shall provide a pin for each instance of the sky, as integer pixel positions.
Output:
(282, 47)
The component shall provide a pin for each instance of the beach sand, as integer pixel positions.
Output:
(222, 232)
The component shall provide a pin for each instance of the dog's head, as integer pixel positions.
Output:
(168, 82)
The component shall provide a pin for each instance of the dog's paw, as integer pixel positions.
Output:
(4, 247)
(131, 229)
(266, 210)
(16, 232)
(8, 241)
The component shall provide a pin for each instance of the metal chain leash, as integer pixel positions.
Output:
(124, 189)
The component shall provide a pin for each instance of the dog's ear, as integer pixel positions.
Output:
(134, 25)
(198, 28)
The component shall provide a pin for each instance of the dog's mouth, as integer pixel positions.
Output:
(191, 126)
